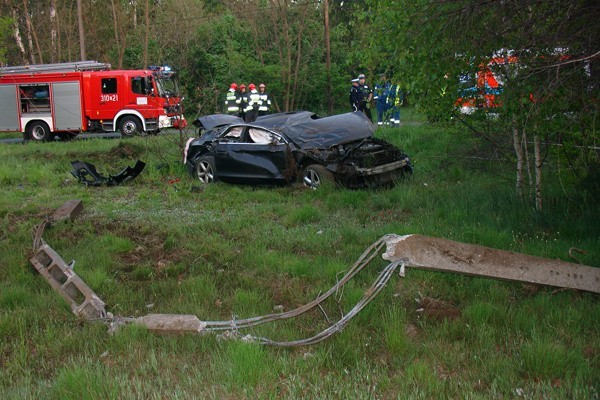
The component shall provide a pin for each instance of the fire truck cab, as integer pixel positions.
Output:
(64, 99)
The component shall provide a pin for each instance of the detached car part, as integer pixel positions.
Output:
(402, 251)
(86, 173)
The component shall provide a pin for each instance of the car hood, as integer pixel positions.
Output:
(308, 131)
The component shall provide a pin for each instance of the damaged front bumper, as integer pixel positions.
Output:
(382, 169)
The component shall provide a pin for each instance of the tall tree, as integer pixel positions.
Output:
(328, 56)
(81, 30)
(53, 32)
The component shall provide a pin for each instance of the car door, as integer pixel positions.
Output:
(253, 155)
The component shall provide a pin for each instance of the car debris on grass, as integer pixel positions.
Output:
(87, 174)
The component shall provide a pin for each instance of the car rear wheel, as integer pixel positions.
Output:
(205, 170)
(316, 176)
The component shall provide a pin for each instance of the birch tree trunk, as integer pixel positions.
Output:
(527, 163)
(519, 153)
(134, 4)
(53, 33)
(18, 38)
(29, 36)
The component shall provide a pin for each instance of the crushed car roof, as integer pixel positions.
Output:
(307, 130)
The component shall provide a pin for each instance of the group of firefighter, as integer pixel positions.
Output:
(388, 99)
(248, 105)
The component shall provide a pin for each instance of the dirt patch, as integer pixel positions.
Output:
(149, 250)
(437, 309)
(125, 150)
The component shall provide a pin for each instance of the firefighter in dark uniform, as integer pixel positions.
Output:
(355, 96)
(243, 101)
(265, 106)
(367, 96)
(254, 103)
(232, 101)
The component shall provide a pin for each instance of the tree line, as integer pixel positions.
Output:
(306, 51)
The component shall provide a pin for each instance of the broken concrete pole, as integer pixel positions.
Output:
(171, 323)
(83, 301)
(69, 210)
(437, 254)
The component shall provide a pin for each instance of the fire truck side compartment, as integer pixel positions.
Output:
(67, 106)
(9, 115)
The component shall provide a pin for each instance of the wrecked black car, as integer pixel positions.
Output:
(281, 148)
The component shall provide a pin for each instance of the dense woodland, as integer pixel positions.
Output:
(306, 51)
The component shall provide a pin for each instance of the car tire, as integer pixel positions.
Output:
(38, 131)
(205, 170)
(316, 176)
(130, 126)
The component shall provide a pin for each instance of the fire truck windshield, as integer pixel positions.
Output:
(167, 86)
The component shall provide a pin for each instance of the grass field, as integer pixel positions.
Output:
(153, 245)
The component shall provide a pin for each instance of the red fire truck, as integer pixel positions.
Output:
(47, 100)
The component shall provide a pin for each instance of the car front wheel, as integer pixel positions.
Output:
(205, 170)
(316, 176)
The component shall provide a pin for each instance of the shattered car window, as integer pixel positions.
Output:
(260, 136)
(235, 132)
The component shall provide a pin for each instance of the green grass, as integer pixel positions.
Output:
(153, 245)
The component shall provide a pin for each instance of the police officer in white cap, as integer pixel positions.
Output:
(355, 96)
(367, 96)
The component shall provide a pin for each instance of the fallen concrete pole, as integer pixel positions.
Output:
(410, 251)
(437, 254)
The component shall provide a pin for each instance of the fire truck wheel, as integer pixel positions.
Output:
(38, 130)
(130, 126)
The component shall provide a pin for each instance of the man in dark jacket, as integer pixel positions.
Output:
(367, 96)
(244, 99)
